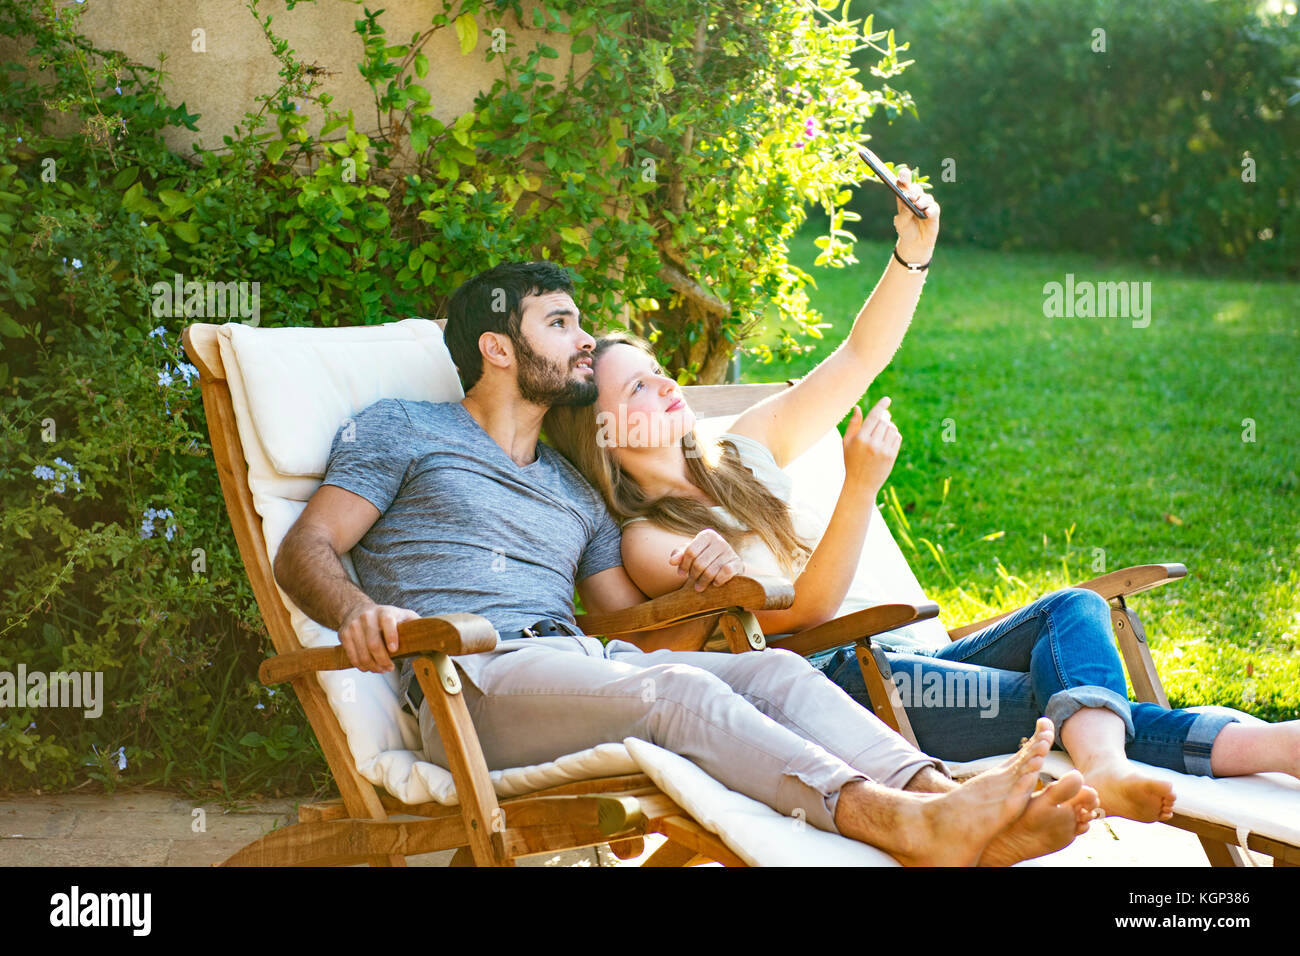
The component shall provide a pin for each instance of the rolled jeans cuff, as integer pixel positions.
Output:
(1064, 704)
(1200, 740)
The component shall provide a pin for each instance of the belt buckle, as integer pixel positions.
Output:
(529, 632)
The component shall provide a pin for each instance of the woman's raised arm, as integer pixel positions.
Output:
(790, 422)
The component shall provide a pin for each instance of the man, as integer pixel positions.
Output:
(457, 507)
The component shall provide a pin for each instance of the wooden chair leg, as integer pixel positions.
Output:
(672, 854)
(1223, 854)
(882, 690)
(484, 821)
(462, 857)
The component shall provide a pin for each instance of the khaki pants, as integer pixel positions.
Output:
(766, 724)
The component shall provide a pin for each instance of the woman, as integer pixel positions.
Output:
(1055, 657)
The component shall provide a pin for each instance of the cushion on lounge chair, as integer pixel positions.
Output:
(753, 831)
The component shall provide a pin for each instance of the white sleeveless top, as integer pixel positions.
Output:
(759, 559)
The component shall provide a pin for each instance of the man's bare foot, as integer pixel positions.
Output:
(1127, 792)
(953, 828)
(1053, 818)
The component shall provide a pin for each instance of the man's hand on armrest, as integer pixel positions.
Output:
(307, 566)
(364, 631)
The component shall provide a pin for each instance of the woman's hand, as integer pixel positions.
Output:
(916, 236)
(707, 559)
(870, 447)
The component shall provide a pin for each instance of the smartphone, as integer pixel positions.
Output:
(889, 179)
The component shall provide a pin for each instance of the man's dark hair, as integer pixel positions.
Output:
(491, 302)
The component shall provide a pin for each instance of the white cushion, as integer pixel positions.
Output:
(753, 831)
(303, 383)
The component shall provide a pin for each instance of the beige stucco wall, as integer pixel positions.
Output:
(222, 83)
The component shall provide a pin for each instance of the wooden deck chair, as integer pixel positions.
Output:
(274, 398)
(1261, 811)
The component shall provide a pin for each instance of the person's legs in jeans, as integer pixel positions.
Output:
(957, 711)
(1064, 641)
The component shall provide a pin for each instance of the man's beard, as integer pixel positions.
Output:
(546, 384)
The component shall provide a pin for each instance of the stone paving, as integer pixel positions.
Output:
(159, 828)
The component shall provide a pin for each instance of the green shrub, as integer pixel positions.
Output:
(120, 557)
(1136, 151)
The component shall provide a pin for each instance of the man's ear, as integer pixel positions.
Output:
(496, 349)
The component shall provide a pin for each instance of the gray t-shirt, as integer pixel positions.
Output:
(461, 526)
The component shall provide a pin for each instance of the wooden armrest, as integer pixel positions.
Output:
(850, 627)
(750, 593)
(1140, 577)
(452, 634)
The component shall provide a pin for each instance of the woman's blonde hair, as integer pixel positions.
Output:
(716, 470)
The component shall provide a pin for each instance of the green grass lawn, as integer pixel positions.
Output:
(1085, 445)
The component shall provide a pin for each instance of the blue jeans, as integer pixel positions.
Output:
(982, 694)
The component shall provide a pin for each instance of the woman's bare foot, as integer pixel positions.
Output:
(1052, 819)
(1125, 791)
(953, 828)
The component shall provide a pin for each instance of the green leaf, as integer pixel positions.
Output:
(187, 231)
(176, 202)
(297, 244)
(582, 44)
(9, 328)
(126, 177)
(467, 32)
(134, 200)
(419, 137)
(421, 65)
(275, 150)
